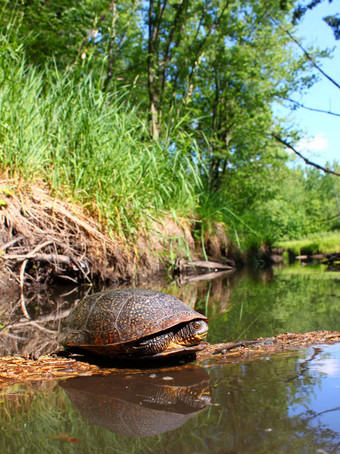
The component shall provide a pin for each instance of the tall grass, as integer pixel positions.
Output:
(90, 146)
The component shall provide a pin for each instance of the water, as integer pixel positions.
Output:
(283, 403)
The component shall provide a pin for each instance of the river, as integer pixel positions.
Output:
(283, 403)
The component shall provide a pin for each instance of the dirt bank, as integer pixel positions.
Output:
(44, 239)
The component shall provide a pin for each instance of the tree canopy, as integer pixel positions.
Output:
(204, 76)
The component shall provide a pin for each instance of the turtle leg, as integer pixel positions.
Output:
(152, 345)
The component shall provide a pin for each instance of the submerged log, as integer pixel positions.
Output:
(197, 266)
(184, 279)
(326, 258)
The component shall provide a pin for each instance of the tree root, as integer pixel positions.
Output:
(47, 238)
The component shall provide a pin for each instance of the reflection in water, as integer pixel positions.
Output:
(282, 404)
(141, 404)
(288, 403)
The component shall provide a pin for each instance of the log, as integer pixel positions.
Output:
(59, 258)
(205, 264)
(204, 277)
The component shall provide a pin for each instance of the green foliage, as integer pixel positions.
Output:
(91, 146)
(80, 84)
(325, 242)
(281, 391)
(298, 299)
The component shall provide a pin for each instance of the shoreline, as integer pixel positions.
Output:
(23, 369)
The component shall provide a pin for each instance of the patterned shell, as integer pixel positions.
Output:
(119, 316)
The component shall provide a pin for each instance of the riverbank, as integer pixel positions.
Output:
(45, 239)
(318, 243)
(22, 369)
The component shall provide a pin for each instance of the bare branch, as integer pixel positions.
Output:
(308, 56)
(12, 242)
(311, 108)
(307, 161)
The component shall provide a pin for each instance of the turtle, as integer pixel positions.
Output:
(134, 323)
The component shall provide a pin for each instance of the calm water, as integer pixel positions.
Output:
(286, 403)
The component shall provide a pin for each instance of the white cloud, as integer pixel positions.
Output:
(330, 366)
(313, 144)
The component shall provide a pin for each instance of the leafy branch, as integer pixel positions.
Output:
(307, 55)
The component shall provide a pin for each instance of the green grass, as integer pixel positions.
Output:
(323, 242)
(94, 148)
(91, 147)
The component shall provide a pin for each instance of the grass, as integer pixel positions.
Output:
(92, 147)
(315, 271)
(323, 242)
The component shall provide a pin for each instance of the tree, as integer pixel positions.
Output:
(332, 21)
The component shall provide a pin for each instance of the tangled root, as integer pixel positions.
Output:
(44, 239)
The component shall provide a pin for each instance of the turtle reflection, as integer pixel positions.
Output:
(141, 404)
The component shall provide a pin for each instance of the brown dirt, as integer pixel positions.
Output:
(52, 235)
(43, 239)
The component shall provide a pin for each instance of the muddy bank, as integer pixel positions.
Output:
(44, 239)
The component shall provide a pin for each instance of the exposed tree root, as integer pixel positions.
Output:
(44, 238)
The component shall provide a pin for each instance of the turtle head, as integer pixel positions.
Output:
(193, 333)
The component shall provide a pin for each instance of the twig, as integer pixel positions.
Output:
(40, 246)
(228, 347)
(309, 57)
(311, 108)
(11, 243)
(22, 298)
(42, 328)
(69, 278)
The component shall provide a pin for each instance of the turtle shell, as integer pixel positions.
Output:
(116, 317)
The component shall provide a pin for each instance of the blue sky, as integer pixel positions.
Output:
(322, 130)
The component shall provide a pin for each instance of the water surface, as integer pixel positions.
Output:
(283, 403)
(288, 403)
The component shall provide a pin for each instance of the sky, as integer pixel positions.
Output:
(322, 131)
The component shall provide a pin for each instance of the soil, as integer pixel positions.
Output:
(44, 239)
